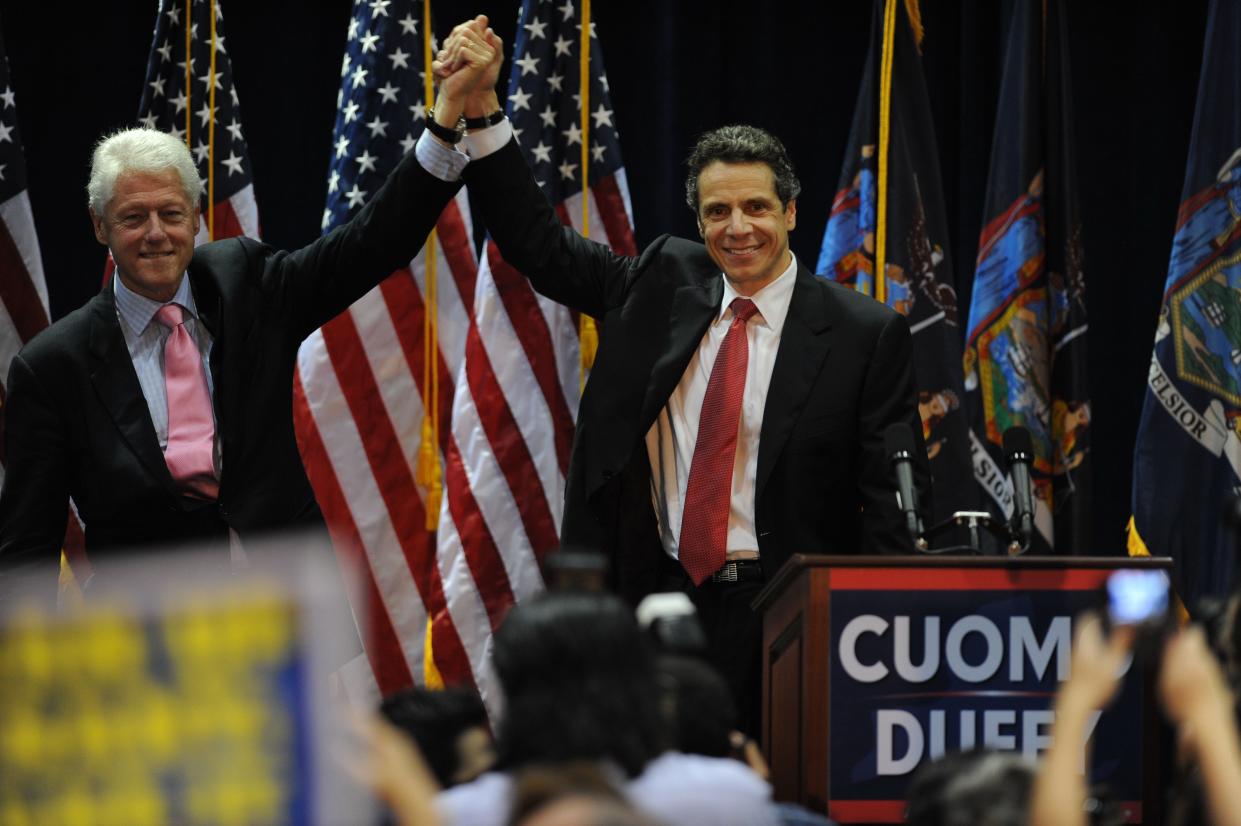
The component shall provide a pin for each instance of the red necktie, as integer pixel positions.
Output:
(191, 426)
(704, 518)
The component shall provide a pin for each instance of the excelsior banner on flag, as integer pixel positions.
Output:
(1025, 357)
(1187, 460)
(888, 237)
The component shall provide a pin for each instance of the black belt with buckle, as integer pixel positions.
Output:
(743, 570)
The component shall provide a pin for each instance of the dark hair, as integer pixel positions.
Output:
(698, 706)
(435, 720)
(741, 144)
(974, 788)
(579, 683)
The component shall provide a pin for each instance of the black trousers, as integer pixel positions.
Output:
(734, 633)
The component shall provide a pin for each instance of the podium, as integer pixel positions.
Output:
(872, 665)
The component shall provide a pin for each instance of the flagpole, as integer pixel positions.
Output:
(588, 334)
(428, 470)
(189, 75)
(885, 132)
(210, 128)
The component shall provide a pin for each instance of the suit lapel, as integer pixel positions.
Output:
(116, 383)
(693, 307)
(804, 342)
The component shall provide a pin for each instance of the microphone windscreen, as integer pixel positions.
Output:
(1017, 440)
(898, 438)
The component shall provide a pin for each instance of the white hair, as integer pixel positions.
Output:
(139, 150)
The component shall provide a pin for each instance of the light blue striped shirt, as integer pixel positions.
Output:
(145, 338)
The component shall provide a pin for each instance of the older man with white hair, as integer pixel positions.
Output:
(163, 406)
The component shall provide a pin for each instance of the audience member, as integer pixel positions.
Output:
(702, 718)
(390, 765)
(573, 794)
(449, 727)
(1195, 697)
(973, 788)
(579, 685)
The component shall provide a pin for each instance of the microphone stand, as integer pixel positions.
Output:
(974, 522)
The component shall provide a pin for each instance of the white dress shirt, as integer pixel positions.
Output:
(671, 440)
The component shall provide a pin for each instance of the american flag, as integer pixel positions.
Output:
(23, 291)
(359, 386)
(509, 361)
(517, 397)
(24, 308)
(199, 105)
(516, 403)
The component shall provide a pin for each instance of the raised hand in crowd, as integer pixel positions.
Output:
(1197, 700)
(1098, 664)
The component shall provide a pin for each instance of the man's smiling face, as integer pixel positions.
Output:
(149, 225)
(743, 223)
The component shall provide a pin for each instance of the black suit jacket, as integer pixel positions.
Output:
(76, 423)
(843, 373)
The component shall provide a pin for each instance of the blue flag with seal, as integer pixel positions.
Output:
(887, 236)
(1187, 460)
(1025, 355)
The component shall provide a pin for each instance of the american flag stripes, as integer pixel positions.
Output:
(516, 400)
(24, 308)
(508, 361)
(23, 290)
(358, 390)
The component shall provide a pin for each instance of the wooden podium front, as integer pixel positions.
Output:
(935, 654)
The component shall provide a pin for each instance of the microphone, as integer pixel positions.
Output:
(898, 443)
(1019, 452)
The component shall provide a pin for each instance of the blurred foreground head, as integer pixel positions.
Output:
(579, 683)
(449, 727)
(974, 788)
(697, 704)
(573, 794)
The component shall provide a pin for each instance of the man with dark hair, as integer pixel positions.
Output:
(736, 408)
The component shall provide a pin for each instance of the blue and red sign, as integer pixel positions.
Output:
(925, 662)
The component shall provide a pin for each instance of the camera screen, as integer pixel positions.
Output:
(1137, 596)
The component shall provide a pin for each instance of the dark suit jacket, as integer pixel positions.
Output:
(76, 422)
(842, 374)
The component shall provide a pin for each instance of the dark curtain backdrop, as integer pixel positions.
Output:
(676, 69)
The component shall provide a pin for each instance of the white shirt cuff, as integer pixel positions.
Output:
(481, 143)
(442, 162)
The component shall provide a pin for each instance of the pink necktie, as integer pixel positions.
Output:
(704, 520)
(191, 426)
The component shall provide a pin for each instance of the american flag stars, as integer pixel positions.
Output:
(380, 106)
(12, 164)
(545, 101)
(166, 98)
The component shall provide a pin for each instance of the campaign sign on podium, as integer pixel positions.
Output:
(889, 666)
